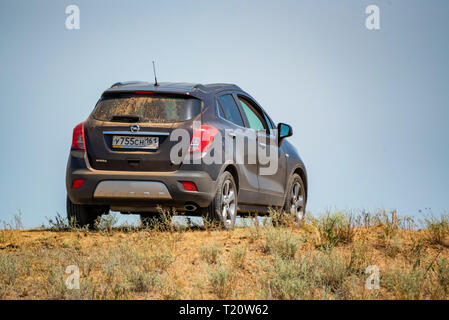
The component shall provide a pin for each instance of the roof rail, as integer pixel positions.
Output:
(124, 83)
(216, 86)
(199, 86)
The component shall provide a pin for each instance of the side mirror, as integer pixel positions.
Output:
(284, 131)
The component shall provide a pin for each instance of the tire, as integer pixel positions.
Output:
(82, 216)
(223, 209)
(295, 199)
(152, 220)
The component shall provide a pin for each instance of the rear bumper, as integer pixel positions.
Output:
(136, 191)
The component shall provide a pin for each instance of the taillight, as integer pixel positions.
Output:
(78, 141)
(77, 183)
(202, 138)
(189, 186)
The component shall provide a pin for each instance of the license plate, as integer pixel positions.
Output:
(135, 142)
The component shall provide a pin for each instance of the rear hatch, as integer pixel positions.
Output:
(130, 131)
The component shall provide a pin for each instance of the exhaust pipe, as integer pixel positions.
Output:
(190, 207)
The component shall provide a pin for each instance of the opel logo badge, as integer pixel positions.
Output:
(134, 128)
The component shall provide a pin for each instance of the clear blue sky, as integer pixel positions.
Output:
(370, 109)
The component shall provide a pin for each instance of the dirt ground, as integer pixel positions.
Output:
(255, 262)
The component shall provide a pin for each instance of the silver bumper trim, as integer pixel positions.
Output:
(132, 190)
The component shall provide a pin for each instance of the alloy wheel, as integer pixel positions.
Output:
(228, 206)
(297, 201)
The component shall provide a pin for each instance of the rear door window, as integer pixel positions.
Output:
(230, 109)
(146, 108)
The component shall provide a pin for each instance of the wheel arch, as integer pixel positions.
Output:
(302, 173)
(233, 170)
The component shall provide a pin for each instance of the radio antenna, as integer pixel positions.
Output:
(155, 78)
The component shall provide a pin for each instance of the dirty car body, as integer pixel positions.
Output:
(120, 157)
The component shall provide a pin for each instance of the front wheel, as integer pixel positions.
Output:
(295, 200)
(223, 209)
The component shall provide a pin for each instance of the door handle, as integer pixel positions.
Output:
(263, 145)
(231, 134)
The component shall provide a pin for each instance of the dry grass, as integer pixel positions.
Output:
(324, 259)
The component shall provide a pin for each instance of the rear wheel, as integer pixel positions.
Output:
(82, 216)
(223, 209)
(295, 200)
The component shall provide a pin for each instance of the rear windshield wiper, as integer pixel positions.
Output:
(126, 118)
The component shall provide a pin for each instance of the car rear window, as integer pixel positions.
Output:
(148, 108)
